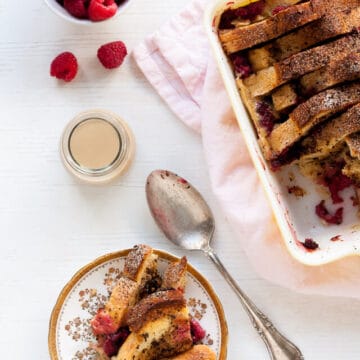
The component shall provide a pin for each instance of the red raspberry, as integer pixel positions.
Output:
(102, 9)
(112, 55)
(76, 8)
(197, 332)
(64, 66)
(279, 9)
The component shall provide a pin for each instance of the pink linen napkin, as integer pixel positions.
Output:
(178, 63)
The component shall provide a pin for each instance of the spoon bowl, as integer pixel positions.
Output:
(179, 210)
(183, 215)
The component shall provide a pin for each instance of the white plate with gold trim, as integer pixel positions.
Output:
(70, 333)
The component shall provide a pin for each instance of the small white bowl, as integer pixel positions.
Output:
(62, 12)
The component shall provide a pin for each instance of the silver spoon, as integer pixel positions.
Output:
(183, 215)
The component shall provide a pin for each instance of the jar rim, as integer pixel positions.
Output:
(117, 166)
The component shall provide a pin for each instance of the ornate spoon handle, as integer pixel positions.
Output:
(279, 347)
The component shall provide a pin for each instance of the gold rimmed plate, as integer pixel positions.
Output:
(70, 333)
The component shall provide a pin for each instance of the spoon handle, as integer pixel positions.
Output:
(279, 347)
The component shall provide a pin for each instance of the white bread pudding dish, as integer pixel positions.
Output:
(297, 68)
(146, 316)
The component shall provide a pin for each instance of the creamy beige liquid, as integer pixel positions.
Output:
(94, 144)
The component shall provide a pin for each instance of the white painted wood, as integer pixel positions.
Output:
(50, 225)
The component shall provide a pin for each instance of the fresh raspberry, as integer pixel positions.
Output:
(101, 9)
(64, 66)
(112, 55)
(76, 8)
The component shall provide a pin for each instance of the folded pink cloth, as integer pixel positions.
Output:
(178, 63)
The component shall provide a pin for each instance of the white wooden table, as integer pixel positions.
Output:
(50, 225)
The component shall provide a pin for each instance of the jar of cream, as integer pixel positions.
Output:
(97, 146)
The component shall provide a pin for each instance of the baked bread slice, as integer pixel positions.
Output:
(322, 6)
(345, 69)
(160, 327)
(341, 70)
(310, 113)
(175, 275)
(266, 80)
(330, 137)
(353, 143)
(285, 97)
(140, 264)
(147, 309)
(334, 23)
(110, 318)
(140, 267)
(245, 37)
(352, 159)
(198, 352)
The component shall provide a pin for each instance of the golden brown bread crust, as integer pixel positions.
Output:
(136, 260)
(122, 296)
(315, 58)
(300, 64)
(353, 143)
(198, 352)
(325, 104)
(341, 70)
(175, 275)
(330, 136)
(248, 36)
(149, 308)
(310, 113)
(284, 97)
(332, 24)
(322, 6)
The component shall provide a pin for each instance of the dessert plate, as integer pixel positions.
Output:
(295, 215)
(70, 333)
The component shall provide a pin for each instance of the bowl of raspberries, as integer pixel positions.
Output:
(87, 11)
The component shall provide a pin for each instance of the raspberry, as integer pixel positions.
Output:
(226, 19)
(64, 66)
(267, 118)
(278, 9)
(113, 342)
(76, 8)
(101, 9)
(197, 332)
(251, 11)
(112, 55)
(323, 213)
(241, 65)
(310, 244)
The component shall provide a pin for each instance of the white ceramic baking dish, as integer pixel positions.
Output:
(296, 217)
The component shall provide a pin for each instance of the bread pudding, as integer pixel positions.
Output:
(297, 70)
(146, 316)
